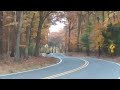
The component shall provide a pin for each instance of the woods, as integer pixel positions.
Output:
(94, 29)
(19, 31)
(25, 33)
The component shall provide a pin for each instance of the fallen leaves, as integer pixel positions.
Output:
(8, 65)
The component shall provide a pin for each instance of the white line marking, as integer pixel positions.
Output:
(68, 72)
(35, 69)
(106, 61)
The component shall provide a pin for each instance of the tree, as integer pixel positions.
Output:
(103, 16)
(88, 32)
(31, 26)
(1, 32)
(17, 51)
(80, 16)
(43, 15)
(112, 35)
(28, 36)
(13, 34)
(86, 42)
(71, 18)
(56, 39)
(27, 40)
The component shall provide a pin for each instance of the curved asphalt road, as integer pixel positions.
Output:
(72, 68)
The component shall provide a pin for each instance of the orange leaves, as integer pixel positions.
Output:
(23, 39)
(44, 37)
(73, 40)
(96, 37)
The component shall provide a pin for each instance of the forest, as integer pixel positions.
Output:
(26, 33)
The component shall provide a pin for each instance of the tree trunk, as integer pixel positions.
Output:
(103, 16)
(69, 37)
(31, 25)
(78, 37)
(69, 42)
(52, 49)
(88, 23)
(17, 51)
(66, 41)
(108, 16)
(1, 32)
(27, 40)
(99, 51)
(114, 17)
(43, 16)
(13, 36)
(87, 51)
(38, 38)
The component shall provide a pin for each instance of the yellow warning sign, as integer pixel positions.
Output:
(112, 47)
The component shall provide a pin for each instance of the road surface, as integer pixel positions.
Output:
(71, 68)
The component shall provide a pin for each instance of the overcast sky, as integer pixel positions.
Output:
(56, 28)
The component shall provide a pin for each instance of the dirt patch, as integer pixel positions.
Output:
(8, 65)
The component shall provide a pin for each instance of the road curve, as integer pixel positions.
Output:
(72, 68)
(67, 64)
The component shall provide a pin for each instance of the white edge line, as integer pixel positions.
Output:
(106, 61)
(60, 60)
(68, 72)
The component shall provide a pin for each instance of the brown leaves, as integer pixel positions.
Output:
(9, 66)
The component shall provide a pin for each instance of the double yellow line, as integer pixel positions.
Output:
(68, 72)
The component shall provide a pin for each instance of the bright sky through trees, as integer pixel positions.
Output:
(56, 28)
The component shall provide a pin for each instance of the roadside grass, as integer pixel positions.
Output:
(94, 55)
(8, 65)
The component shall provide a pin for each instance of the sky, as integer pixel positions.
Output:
(56, 28)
